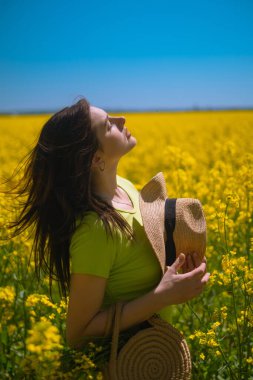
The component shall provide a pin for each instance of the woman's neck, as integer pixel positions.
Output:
(104, 185)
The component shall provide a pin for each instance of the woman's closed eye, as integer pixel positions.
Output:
(110, 125)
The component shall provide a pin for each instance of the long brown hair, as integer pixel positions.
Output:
(56, 184)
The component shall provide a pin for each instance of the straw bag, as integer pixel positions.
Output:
(157, 352)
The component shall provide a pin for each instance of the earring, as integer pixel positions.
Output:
(103, 167)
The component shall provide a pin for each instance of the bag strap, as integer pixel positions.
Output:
(170, 221)
(110, 319)
(115, 337)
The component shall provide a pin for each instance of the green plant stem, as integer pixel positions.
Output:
(188, 304)
(227, 363)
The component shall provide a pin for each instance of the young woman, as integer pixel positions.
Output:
(88, 230)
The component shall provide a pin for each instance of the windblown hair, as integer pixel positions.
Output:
(56, 183)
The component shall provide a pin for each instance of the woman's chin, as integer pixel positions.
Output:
(132, 139)
(131, 143)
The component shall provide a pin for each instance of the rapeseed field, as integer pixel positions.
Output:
(204, 155)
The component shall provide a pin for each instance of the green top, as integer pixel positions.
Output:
(130, 267)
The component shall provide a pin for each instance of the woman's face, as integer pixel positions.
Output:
(111, 133)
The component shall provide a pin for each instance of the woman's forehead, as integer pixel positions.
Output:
(98, 115)
(98, 112)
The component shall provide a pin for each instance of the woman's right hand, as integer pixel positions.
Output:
(177, 288)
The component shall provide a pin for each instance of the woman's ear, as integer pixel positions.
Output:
(96, 160)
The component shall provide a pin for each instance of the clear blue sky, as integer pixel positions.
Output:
(126, 55)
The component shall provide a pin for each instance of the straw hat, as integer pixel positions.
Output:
(185, 221)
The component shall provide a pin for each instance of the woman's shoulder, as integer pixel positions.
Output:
(89, 228)
(89, 220)
(91, 225)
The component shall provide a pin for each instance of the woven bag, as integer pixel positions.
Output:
(158, 352)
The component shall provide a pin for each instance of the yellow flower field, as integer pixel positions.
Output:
(204, 155)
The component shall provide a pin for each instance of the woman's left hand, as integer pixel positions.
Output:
(192, 261)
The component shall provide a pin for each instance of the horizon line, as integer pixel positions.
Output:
(132, 110)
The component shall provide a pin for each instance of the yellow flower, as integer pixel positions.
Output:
(199, 334)
(202, 356)
(43, 336)
(11, 329)
(34, 299)
(7, 294)
(215, 325)
(212, 343)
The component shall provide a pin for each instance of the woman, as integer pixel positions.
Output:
(88, 232)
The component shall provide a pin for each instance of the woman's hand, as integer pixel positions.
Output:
(191, 262)
(177, 288)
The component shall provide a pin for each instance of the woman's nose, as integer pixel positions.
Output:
(122, 121)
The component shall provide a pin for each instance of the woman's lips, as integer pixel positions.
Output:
(128, 134)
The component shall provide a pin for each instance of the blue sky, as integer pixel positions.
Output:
(126, 55)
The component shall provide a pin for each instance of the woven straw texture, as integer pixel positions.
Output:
(190, 230)
(159, 352)
(151, 200)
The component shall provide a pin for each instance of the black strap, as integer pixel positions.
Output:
(170, 222)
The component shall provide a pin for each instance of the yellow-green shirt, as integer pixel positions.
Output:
(130, 267)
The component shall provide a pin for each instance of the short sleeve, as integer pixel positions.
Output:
(91, 252)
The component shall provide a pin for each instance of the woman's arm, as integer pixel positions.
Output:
(86, 295)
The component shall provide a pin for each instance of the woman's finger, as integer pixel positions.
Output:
(205, 278)
(196, 259)
(190, 262)
(196, 272)
(178, 263)
(184, 267)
